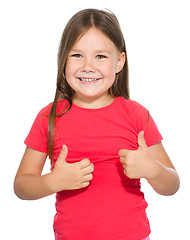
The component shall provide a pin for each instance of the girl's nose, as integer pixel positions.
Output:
(88, 66)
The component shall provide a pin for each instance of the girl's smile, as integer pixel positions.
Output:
(89, 79)
(91, 67)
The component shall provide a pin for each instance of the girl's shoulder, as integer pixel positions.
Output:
(131, 105)
(61, 104)
(42, 117)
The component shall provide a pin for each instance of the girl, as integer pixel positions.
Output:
(99, 141)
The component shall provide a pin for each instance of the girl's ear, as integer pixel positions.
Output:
(121, 62)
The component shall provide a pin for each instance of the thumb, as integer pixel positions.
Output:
(63, 153)
(141, 140)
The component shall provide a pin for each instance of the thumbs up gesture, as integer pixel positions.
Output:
(68, 176)
(138, 163)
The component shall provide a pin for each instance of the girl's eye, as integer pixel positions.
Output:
(76, 55)
(100, 56)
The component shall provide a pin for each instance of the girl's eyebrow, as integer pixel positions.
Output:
(97, 51)
(75, 50)
(103, 51)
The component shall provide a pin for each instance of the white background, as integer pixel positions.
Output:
(158, 44)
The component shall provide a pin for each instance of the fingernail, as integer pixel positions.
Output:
(64, 147)
(142, 133)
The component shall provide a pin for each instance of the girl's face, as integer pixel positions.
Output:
(91, 67)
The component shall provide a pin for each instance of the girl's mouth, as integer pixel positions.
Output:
(88, 79)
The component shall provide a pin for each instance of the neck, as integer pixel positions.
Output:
(93, 103)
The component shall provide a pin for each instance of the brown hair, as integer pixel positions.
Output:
(80, 23)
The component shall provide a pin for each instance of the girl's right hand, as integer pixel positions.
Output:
(69, 176)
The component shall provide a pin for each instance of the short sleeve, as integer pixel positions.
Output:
(146, 123)
(37, 137)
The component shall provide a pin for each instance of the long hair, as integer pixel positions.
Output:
(78, 25)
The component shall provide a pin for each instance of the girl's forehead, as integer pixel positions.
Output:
(94, 38)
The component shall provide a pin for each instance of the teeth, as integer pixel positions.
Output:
(88, 79)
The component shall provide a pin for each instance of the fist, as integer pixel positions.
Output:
(138, 163)
(69, 176)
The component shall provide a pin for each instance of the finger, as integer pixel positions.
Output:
(85, 184)
(123, 152)
(141, 140)
(87, 178)
(124, 163)
(84, 163)
(125, 172)
(89, 169)
(123, 159)
(63, 153)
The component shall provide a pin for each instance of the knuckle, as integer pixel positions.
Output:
(121, 152)
(86, 184)
(92, 168)
(85, 162)
(122, 159)
(90, 177)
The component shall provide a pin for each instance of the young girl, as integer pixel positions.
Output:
(99, 141)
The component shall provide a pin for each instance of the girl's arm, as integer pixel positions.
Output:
(29, 184)
(153, 164)
(165, 179)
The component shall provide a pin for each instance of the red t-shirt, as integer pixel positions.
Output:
(112, 206)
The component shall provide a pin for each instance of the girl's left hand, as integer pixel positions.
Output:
(138, 163)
